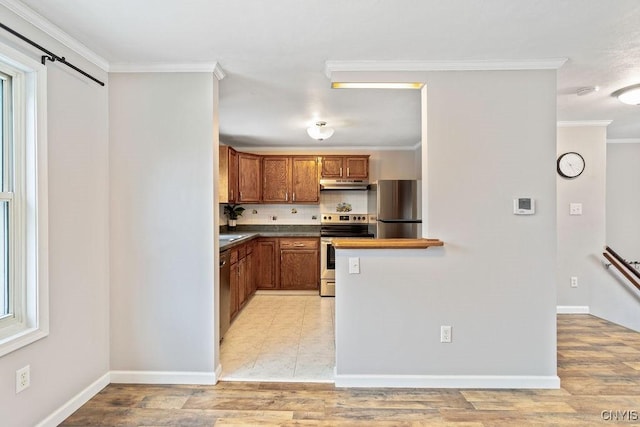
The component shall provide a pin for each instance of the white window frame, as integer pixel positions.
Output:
(28, 207)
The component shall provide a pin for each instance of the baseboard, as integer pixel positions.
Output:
(164, 377)
(449, 381)
(62, 413)
(572, 309)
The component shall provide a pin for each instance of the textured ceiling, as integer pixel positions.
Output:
(274, 53)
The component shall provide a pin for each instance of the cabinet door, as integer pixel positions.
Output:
(249, 275)
(248, 178)
(299, 269)
(228, 175)
(233, 176)
(242, 277)
(276, 176)
(357, 167)
(266, 268)
(332, 166)
(305, 185)
(233, 295)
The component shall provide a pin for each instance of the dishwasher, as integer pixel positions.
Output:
(225, 293)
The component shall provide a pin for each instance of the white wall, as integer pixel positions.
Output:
(491, 138)
(581, 238)
(76, 352)
(623, 199)
(613, 297)
(162, 236)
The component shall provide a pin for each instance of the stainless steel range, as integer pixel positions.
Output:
(343, 225)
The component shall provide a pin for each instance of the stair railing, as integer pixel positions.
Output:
(623, 266)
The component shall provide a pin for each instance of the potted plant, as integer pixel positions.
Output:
(233, 212)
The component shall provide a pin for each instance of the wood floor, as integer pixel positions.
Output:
(598, 363)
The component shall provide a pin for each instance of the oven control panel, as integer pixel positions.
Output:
(342, 218)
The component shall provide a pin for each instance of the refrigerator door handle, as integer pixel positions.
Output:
(395, 221)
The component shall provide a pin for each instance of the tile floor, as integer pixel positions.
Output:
(281, 338)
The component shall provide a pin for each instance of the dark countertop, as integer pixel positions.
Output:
(250, 232)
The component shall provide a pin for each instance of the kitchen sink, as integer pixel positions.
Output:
(226, 238)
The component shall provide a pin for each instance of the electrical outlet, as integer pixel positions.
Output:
(23, 378)
(574, 282)
(445, 333)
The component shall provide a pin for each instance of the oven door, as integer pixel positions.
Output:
(327, 268)
(327, 259)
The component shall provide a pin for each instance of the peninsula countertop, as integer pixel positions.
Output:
(351, 243)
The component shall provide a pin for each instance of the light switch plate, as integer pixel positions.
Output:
(354, 265)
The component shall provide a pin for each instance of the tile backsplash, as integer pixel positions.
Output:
(300, 214)
(329, 201)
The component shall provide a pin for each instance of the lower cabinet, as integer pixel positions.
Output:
(241, 279)
(267, 249)
(268, 263)
(299, 263)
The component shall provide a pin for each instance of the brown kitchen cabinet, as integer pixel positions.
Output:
(305, 184)
(290, 179)
(266, 257)
(228, 175)
(249, 178)
(299, 263)
(241, 277)
(276, 179)
(345, 167)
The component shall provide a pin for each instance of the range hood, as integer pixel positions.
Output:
(343, 184)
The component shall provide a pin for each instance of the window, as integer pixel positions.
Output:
(23, 185)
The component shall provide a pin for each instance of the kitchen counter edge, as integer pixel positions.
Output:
(256, 234)
(385, 243)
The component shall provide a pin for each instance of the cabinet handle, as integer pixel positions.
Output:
(240, 195)
(340, 171)
(294, 196)
(299, 245)
(231, 192)
(286, 196)
(348, 174)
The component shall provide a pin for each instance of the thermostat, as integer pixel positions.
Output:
(524, 206)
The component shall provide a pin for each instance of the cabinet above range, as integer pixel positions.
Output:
(282, 179)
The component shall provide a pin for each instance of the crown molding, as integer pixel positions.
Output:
(55, 32)
(446, 65)
(194, 67)
(583, 123)
(321, 149)
(623, 141)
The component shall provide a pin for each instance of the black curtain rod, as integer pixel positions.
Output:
(50, 55)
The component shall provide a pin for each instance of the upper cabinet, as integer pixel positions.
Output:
(249, 181)
(305, 179)
(276, 179)
(253, 178)
(290, 179)
(228, 179)
(348, 167)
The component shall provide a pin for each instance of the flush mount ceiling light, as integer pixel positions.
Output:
(320, 131)
(375, 85)
(628, 95)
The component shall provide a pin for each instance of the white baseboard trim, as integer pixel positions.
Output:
(62, 413)
(572, 309)
(163, 377)
(449, 381)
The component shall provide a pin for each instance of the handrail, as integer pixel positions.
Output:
(623, 266)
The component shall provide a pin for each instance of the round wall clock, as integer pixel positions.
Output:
(570, 165)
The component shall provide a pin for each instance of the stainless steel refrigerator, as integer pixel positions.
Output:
(395, 209)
